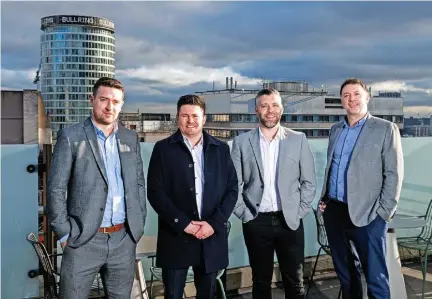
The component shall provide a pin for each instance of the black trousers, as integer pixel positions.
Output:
(174, 282)
(264, 235)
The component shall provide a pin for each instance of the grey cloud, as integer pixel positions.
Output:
(321, 42)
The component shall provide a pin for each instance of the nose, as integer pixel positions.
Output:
(108, 106)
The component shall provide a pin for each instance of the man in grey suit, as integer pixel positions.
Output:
(277, 185)
(362, 185)
(96, 198)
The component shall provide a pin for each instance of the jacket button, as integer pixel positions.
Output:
(262, 186)
(257, 204)
(101, 209)
(194, 213)
(191, 189)
(176, 220)
(106, 189)
(190, 165)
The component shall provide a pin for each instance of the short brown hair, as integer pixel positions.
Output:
(267, 92)
(191, 99)
(353, 81)
(107, 82)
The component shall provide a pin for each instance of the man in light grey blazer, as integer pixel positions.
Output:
(96, 198)
(362, 185)
(277, 185)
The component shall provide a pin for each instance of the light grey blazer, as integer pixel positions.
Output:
(295, 179)
(375, 172)
(78, 185)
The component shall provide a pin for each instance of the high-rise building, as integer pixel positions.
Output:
(75, 52)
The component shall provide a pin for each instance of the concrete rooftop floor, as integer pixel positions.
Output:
(326, 286)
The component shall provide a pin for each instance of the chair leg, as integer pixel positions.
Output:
(424, 272)
(340, 292)
(313, 272)
(221, 288)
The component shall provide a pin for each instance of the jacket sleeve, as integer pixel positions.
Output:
(157, 195)
(393, 171)
(218, 220)
(58, 180)
(237, 161)
(141, 180)
(307, 178)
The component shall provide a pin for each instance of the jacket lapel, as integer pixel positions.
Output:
(283, 150)
(92, 139)
(256, 149)
(124, 150)
(333, 141)
(366, 132)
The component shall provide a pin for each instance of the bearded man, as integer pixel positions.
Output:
(277, 184)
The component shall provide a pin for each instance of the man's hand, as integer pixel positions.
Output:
(322, 206)
(192, 228)
(63, 245)
(205, 231)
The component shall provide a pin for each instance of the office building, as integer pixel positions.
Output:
(231, 111)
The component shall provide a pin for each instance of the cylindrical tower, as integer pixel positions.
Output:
(75, 52)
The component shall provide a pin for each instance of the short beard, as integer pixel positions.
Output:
(269, 124)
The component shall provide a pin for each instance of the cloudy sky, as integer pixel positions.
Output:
(166, 49)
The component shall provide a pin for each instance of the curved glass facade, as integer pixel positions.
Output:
(73, 58)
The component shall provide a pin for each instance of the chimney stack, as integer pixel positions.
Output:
(226, 78)
(231, 82)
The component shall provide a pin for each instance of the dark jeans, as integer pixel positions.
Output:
(174, 282)
(353, 246)
(264, 235)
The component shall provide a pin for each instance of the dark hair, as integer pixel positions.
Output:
(107, 82)
(267, 92)
(353, 81)
(191, 99)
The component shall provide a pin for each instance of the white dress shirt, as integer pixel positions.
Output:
(269, 154)
(198, 159)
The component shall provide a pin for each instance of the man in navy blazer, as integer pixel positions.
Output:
(192, 186)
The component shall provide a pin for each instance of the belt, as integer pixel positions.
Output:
(276, 213)
(111, 229)
(337, 202)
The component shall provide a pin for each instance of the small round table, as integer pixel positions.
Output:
(397, 282)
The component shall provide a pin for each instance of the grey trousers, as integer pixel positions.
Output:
(112, 254)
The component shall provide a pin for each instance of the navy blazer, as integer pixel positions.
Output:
(171, 192)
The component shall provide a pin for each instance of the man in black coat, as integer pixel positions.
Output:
(192, 186)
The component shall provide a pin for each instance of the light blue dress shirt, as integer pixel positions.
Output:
(115, 212)
(341, 159)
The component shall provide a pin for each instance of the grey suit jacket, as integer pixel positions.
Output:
(78, 185)
(295, 179)
(375, 172)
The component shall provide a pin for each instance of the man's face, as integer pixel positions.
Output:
(354, 99)
(269, 110)
(191, 120)
(106, 105)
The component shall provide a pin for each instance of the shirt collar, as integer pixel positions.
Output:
(199, 144)
(101, 133)
(360, 123)
(277, 137)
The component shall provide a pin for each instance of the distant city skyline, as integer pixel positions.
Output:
(166, 49)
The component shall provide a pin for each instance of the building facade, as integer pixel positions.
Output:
(231, 112)
(150, 127)
(75, 52)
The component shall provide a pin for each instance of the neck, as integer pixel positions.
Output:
(107, 129)
(269, 134)
(353, 119)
